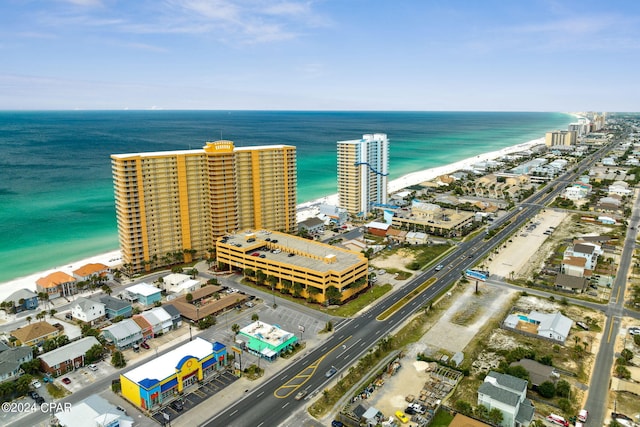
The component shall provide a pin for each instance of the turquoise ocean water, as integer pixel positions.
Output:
(56, 197)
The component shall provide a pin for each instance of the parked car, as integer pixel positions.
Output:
(336, 423)
(66, 380)
(36, 384)
(410, 411)
(177, 405)
(402, 417)
(93, 367)
(33, 394)
(634, 331)
(39, 400)
(144, 345)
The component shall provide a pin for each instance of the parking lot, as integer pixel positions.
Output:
(193, 397)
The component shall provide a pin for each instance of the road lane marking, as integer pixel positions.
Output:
(610, 331)
(260, 394)
(233, 413)
(301, 378)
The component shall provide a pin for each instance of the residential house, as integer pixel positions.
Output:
(176, 318)
(311, 226)
(577, 191)
(159, 320)
(145, 327)
(57, 284)
(144, 293)
(571, 283)
(123, 334)
(620, 188)
(87, 271)
(538, 373)
(573, 266)
(377, 228)
(34, 334)
(552, 325)
(94, 411)
(609, 204)
(115, 307)
(507, 394)
(23, 299)
(10, 360)
(416, 238)
(178, 283)
(68, 357)
(88, 311)
(589, 252)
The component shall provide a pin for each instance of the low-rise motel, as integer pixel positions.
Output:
(309, 267)
(160, 380)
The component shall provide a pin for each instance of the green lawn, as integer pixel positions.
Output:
(442, 419)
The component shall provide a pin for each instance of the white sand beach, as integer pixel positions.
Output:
(305, 210)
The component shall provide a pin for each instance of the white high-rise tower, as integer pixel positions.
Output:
(363, 170)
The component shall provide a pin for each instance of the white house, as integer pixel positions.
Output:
(87, 310)
(159, 319)
(552, 325)
(93, 411)
(508, 394)
(577, 191)
(179, 283)
(587, 250)
(619, 188)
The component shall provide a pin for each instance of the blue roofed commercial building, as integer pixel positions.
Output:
(161, 380)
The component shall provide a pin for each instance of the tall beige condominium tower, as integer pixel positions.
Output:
(363, 170)
(172, 205)
(560, 137)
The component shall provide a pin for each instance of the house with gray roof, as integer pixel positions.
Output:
(508, 394)
(87, 310)
(68, 357)
(10, 360)
(159, 320)
(123, 334)
(23, 299)
(115, 307)
(176, 318)
(552, 325)
(93, 411)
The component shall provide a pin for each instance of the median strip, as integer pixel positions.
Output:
(406, 299)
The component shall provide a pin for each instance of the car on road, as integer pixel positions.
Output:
(439, 267)
(93, 367)
(177, 405)
(583, 415)
(402, 417)
(331, 372)
(634, 331)
(301, 394)
(144, 345)
(66, 380)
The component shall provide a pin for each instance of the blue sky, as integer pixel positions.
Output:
(507, 55)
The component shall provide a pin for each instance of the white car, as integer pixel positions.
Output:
(93, 367)
(634, 331)
(36, 384)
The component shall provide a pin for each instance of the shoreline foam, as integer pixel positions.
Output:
(305, 210)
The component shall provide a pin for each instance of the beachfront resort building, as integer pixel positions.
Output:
(560, 137)
(433, 219)
(363, 171)
(299, 266)
(172, 205)
(159, 381)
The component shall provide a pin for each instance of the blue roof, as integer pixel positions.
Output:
(218, 346)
